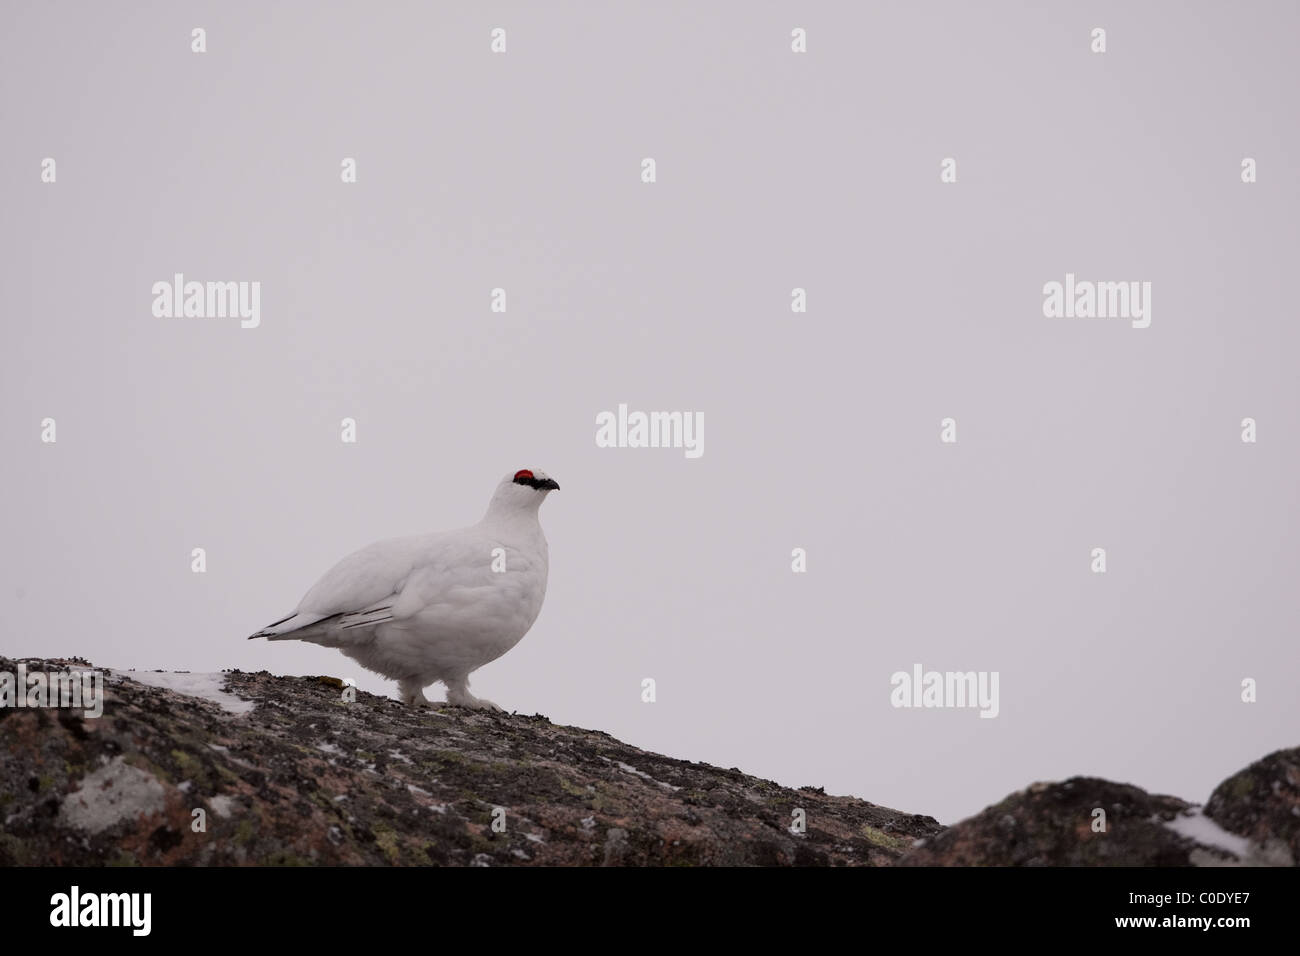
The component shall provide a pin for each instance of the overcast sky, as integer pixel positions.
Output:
(775, 170)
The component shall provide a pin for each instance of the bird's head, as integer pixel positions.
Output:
(522, 490)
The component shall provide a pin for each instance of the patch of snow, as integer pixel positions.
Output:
(420, 790)
(628, 768)
(1197, 826)
(222, 805)
(203, 686)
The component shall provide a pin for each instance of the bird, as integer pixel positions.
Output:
(438, 606)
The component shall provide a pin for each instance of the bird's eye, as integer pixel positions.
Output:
(523, 474)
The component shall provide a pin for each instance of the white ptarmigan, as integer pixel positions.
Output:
(435, 607)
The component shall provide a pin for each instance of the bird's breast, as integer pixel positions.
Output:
(488, 611)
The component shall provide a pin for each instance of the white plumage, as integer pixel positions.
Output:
(435, 607)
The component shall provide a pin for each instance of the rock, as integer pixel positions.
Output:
(241, 768)
(115, 792)
(306, 777)
(1052, 824)
(1262, 803)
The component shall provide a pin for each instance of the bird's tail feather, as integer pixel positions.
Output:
(328, 630)
(283, 629)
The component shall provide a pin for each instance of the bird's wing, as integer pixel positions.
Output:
(357, 592)
(387, 581)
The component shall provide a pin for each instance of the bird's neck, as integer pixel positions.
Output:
(523, 517)
(518, 528)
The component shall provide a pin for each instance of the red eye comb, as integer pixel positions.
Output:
(523, 474)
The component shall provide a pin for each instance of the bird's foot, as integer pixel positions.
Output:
(466, 699)
(413, 696)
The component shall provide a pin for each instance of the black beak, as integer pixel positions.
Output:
(550, 484)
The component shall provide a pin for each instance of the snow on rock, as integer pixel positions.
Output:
(1195, 825)
(204, 686)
